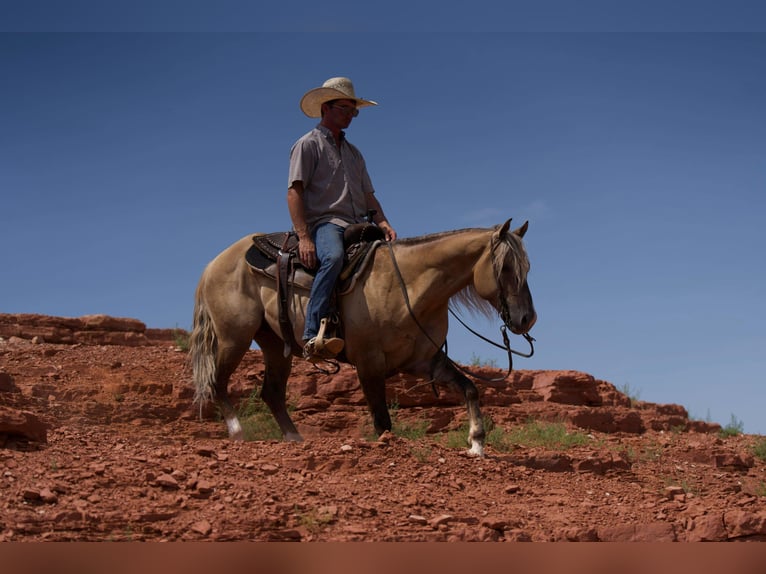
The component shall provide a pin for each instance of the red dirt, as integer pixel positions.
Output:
(101, 442)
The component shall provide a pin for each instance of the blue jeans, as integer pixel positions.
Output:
(328, 239)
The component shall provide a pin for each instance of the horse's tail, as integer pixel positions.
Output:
(203, 346)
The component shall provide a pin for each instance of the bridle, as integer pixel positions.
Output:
(504, 316)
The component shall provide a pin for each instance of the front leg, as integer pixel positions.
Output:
(373, 382)
(443, 370)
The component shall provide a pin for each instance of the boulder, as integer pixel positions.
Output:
(16, 423)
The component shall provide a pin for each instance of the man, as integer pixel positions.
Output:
(328, 189)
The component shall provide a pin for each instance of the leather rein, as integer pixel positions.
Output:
(504, 314)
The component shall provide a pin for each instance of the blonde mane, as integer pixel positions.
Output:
(510, 248)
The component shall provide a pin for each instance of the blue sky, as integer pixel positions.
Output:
(128, 161)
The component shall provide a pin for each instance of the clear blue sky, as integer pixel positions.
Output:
(128, 161)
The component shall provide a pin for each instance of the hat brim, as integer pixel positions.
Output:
(311, 102)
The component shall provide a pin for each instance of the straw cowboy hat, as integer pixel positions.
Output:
(332, 89)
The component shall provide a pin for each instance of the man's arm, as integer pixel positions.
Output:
(306, 247)
(380, 218)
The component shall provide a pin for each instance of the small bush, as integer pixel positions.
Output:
(548, 435)
(181, 339)
(734, 428)
(552, 436)
(500, 440)
(412, 430)
(477, 361)
(632, 394)
(759, 449)
(256, 419)
(458, 438)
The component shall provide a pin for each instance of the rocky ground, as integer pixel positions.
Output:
(99, 441)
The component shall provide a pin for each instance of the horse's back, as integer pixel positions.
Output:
(227, 286)
(232, 256)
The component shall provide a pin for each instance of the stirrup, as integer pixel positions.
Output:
(323, 344)
(321, 347)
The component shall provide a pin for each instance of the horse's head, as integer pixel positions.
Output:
(500, 277)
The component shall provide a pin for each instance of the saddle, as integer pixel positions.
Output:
(276, 256)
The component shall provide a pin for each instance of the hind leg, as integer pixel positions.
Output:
(227, 359)
(274, 390)
(442, 370)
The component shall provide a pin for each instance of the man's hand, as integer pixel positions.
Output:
(307, 252)
(388, 230)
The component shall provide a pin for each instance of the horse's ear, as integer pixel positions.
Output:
(505, 227)
(521, 230)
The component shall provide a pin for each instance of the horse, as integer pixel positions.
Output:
(394, 320)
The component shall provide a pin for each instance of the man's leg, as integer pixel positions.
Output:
(328, 238)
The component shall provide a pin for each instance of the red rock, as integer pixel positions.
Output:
(733, 461)
(31, 494)
(205, 487)
(166, 481)
(437, 521)
(48, 496)
(653, 532)
(22, 424)
(89, 329)
(672, 492)
(202, 527)
(6, 383)
(744, 524)
(569, 387)
(495, 523)
(609, 421)
(707, 528)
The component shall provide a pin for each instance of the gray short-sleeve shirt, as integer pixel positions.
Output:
(334, 180)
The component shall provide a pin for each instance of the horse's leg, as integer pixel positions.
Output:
(443, 370)
(373, 383)
(227, 359)
(274, 390)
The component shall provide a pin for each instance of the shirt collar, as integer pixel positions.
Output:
(328, 134)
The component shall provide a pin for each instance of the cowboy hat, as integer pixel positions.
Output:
(332, 89)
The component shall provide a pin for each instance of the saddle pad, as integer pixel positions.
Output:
(259, 262)
(357, 257)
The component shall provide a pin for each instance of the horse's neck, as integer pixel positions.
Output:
(442, 264)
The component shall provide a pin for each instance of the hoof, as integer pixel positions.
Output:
(476, 450)
(236, 433)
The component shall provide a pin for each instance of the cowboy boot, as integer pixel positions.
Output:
(320, 347)
(328, 346)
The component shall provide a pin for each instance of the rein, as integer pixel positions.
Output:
(503, 330)
(505, 346)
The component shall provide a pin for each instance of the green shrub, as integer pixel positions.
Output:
(734, 428)
(477, 361)
(759, 449)
(412, 429)
(256, 419)
(181, 339)
(632, 394)
(534, 433)
(549, 435)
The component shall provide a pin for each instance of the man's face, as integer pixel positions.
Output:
(340, 113)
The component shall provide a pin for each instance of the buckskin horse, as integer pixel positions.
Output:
(394, 320)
